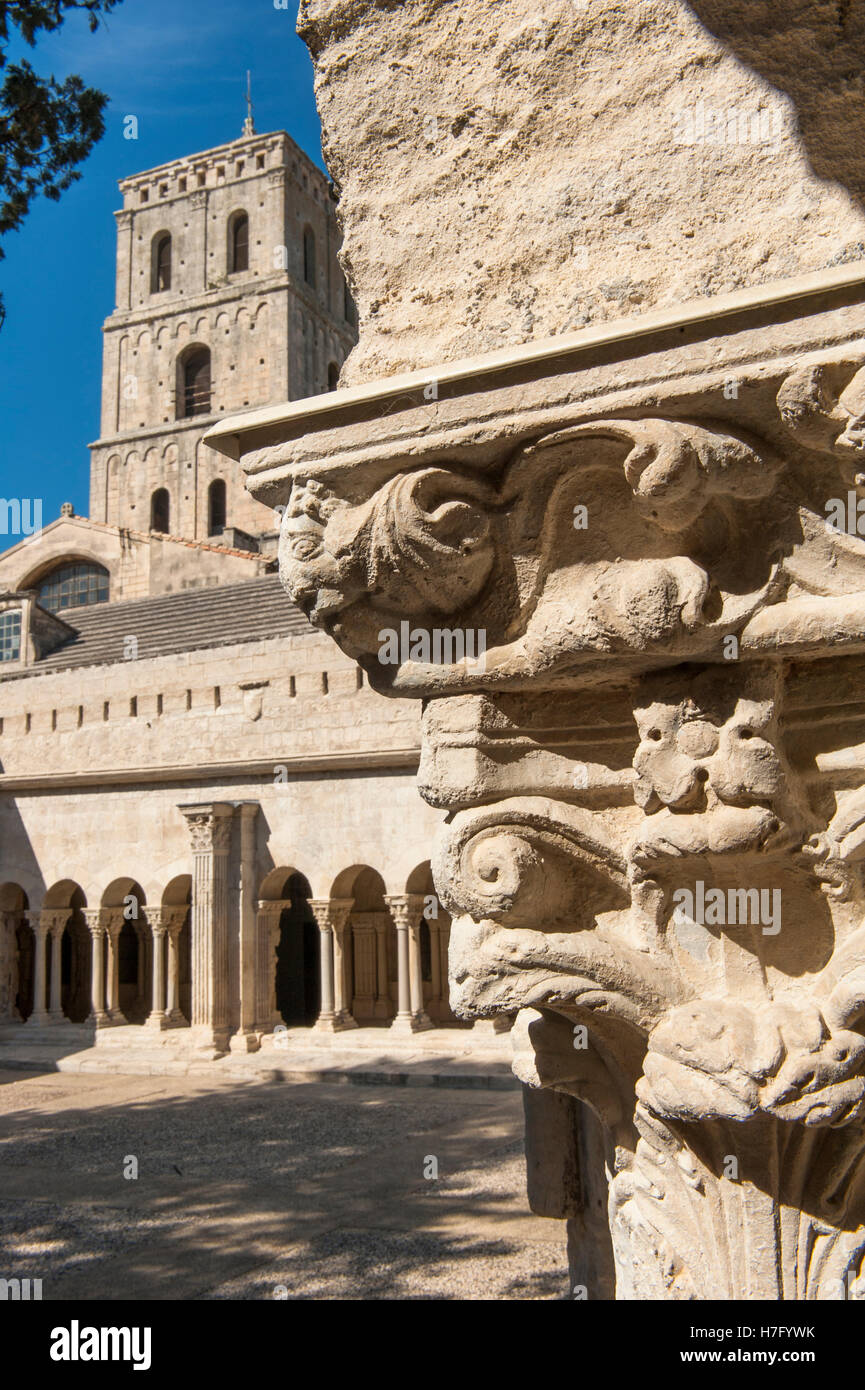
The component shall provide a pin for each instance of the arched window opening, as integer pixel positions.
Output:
(309, 256)
(10, 635)
(238, 243)
(160, 510)
(216, 507)
(195, 384)
(74, 585)
(161, 269)
(332, 376)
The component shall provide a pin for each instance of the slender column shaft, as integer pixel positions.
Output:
(405, 909)
(113, 927)
(326, 944)
(172, 1007)
(156, 923)
(338, 915)
(40, 941)
(96, 927)
(322, 908)
(56, 1005)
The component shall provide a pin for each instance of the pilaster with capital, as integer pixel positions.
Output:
(632, 601)
(210, 832)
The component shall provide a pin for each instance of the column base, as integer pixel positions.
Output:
(116, 1019)
(38, 1020)
(345, 1020)
(410, 1023)
(158, 1022)
(210, 1042)
(245, 1040)
(333, 1024)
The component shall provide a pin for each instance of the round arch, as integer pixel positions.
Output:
(130, 952)
(35, 577)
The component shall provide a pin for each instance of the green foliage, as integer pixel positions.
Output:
(47, 127)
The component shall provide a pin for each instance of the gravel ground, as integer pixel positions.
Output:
(267, 1190)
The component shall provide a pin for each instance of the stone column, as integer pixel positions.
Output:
(55, 922)
(39, 924)
(404, 1022)
(267, 1015)
(174, 918)
(340, 911)
(210, 828)
(383, 1002)
(155, 919)
(419, 1013)
(247, 1039)
(112, 920)
(326, 1022)
(98, 1015)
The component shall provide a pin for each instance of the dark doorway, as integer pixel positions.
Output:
(75, 966)
(127, 971)
(298, 960)
(24, 997)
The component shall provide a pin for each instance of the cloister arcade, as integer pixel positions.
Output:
(362, 956)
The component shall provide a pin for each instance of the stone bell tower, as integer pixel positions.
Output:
(229, 295)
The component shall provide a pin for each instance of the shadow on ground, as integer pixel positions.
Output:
(268, 1190)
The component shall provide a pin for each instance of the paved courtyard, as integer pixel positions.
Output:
(264, 1189)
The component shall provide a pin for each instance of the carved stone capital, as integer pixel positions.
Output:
(209, 827)
(331, 914)
(95, 919)
(618, 576)
(53, 919)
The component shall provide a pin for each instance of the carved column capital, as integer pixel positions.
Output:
(96, 921)
(156, 919)
(629, 584)
(53, 919)
(405, 908)
(173, 919)
(331, 914)
(209, 827)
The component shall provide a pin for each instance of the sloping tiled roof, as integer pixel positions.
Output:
(210, 617)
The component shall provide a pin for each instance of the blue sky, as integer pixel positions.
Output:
(179, 66)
